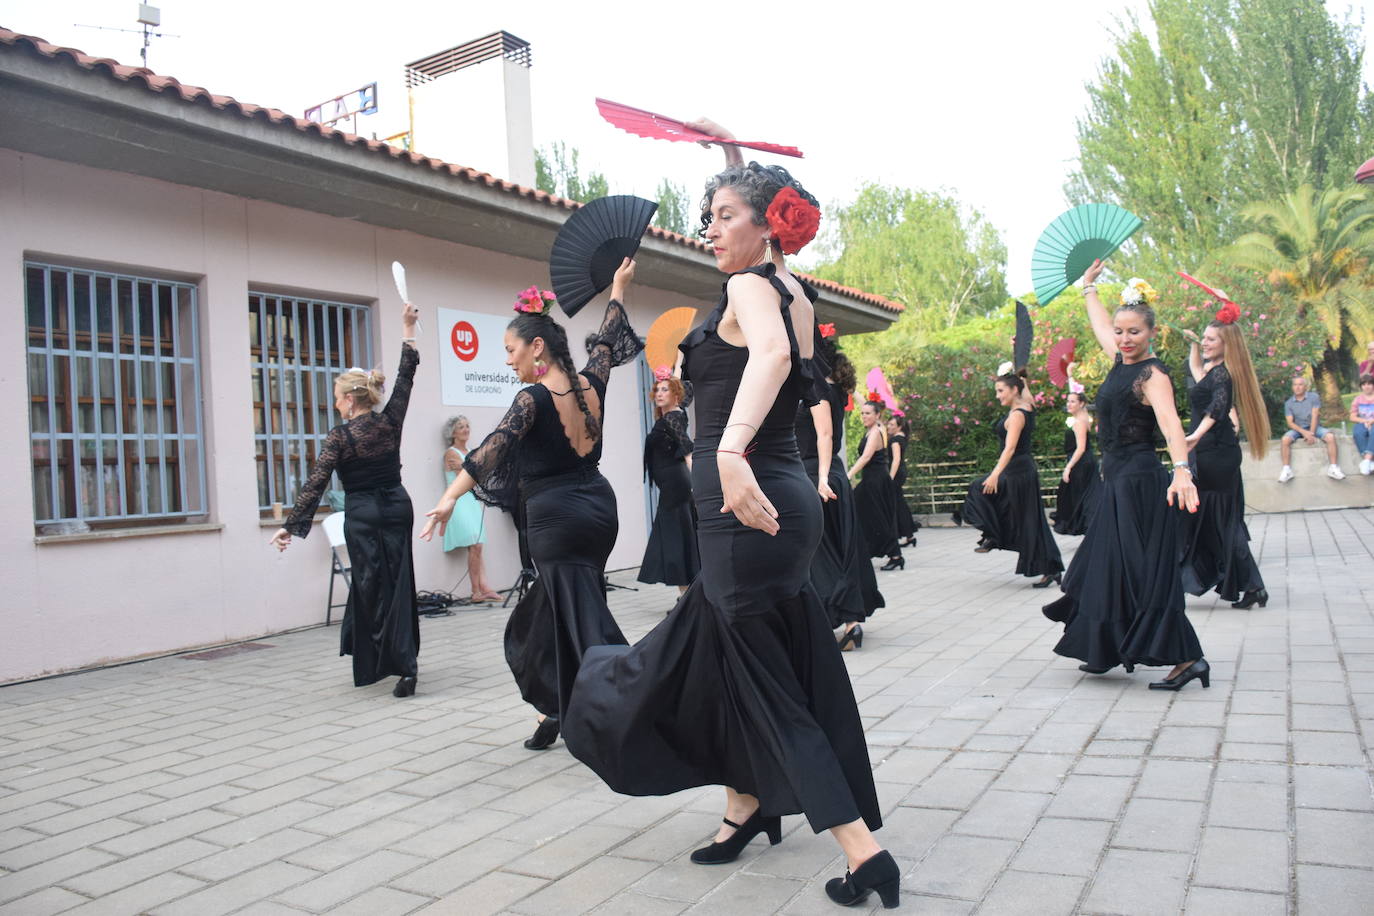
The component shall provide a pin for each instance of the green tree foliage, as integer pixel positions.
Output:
(674, 212)
(943, 262)
(1317, 247)
(557, 172)
(1231, 101)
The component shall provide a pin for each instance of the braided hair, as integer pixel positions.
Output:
(531, 325)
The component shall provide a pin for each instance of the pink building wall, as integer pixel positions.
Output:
(84, 602)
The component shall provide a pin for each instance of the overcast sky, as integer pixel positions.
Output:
(976, 98)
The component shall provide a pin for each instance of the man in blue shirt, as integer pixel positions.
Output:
(1301, 411)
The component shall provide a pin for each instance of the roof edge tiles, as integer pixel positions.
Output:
(159, 84)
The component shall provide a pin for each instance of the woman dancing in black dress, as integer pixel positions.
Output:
(545, 452)
(742, 685)
(1217, 541)
(1006, 505)
(670, 556)
(873, 497)
(898, 434)
(1079, 485)
(381, 624)
(842, 573)
(1123, 601)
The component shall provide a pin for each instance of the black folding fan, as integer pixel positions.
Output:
(592, 243)
(1025, 336)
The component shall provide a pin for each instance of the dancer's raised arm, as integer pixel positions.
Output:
(1098, 315)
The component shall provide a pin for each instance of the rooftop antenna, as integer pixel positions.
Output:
(149, 17)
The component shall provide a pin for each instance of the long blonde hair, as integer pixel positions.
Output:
(1245, 389)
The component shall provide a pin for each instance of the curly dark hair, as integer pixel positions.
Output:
(530, 325)
(757, 185)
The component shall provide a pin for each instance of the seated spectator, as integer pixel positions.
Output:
(1367, 367)
(1302, 411)
(1362, 418)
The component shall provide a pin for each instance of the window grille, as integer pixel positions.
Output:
(298, 348)
(115, 423)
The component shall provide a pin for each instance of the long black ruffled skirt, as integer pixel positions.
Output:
(742, 685)
(1216, 545)
(571, 524)
(1077, 499)
(381, 624)
(1013, 518)
(842, 573)
(876, 507)
(906, 522)
(671, 555)
(1123, 598)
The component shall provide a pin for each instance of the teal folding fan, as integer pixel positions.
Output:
(1071, 243)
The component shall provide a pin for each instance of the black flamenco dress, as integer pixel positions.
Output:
(906, 523)
(1216, 551)
(1123, 601)
(1013, 518)
(743, 684)
(671, 555)
(876, 504)
(1077, 499)
(570, 523)
(841, 573)
(381, 624)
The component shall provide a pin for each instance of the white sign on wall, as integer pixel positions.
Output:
(472, 360)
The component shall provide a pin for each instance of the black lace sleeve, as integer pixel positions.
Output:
(614, 344)
(308, 500)
(688, 392)
(396, 405)
(676, 422)
(495, 464)
(1219, 408)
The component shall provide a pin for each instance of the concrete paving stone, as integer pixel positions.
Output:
(445, 875)
(633, 903)
(1328, 748)
(337, 852)
(120, 874)
(43, 903)
(141, 897)
(1257, 729)
(1103, 747)
(1152, 823)
(1320, 693)
(337, 820)
(961, 866)
(50, 871)
(492, 893)
(1311, 717)
(1187, 780)
(1035, 772)
(1273, 753)
(1334, 891)
(1215, 901)
(1060, 738)
(1108, 766)
(1138, 882)
(909, 765)
(685, 881)
(379, 901)
(209, 797)
(250, 854)
(321, 894)
(51, 846)
(1179, 741)
(193, 823)
(1243, 859)
(1249, 805)
(1019, 893)
(559, 820)
(1097, 797)
(945, 733)
(1336, 837)
(747, 893)
(1241, 771)
(950, 788)
(1004, 743)
(1063, 847)
(561, 855)
(1009, 815)
(584, 889)
(1258, 703)
(979, 760)
(441, 839)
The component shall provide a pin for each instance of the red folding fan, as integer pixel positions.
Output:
(1365, 173)
(1061, 354)
(1211, 290)
(658, 127)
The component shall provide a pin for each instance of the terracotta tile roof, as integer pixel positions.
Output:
(195, 95)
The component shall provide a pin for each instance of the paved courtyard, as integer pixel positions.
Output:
(261, 782)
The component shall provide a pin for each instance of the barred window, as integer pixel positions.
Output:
(115, 423)
(298, 348)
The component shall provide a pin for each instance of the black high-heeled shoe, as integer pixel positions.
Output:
(1249, 599)
(545, 735)
(893, 563)
(984, 546)
(880, 873)
(1198, 669)
(405, 687)
(1048, 581)
(1089, 669)
(728, 850)
(853, 637)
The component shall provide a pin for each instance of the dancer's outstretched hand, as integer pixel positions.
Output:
(743, 495)
(1184, 489)
(281, 540)
(624, 276)
(438, 519)
(1092, 273)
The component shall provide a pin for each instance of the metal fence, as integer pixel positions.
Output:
(115, 424)
(298, 346)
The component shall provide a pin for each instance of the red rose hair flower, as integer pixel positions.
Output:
(827, 330)
(793, 219)
(1228, 313)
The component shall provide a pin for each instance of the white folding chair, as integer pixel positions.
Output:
(333, 526)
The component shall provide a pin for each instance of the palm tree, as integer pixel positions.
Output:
(1317, 246)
